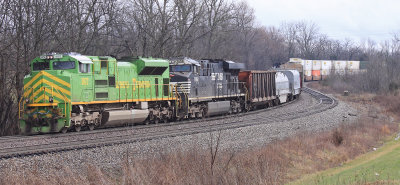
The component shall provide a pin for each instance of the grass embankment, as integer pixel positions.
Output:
(379, 167)
(277, 163)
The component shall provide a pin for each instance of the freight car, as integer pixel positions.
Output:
(295, 84)
(282, 87)
(261, 87)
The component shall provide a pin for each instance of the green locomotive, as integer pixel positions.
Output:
(72, 91)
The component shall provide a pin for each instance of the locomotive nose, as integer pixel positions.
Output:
(47, 87)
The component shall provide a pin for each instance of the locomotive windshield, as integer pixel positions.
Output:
(180, 68)
(60, 65)
(41, 66)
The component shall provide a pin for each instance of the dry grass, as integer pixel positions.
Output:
(385, 104)
(276, 163)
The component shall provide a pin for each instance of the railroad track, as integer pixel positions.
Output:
(168, 130)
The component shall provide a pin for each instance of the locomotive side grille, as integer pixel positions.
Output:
(182, 87)
(102, 95)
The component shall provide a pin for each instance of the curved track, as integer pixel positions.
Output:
(168, 130)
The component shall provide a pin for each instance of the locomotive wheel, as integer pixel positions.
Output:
(146, 122)
(64, 130)
(91, 127)
(204, 113)
(28, 129)
(156, 121)
(77, 128)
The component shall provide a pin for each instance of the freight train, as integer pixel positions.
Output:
(68, 92)
(315, 70)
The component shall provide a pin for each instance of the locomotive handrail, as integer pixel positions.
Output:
(65, 102)
(138, 88)
(19, 107)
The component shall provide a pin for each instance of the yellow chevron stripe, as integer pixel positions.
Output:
(55, 93)
(51, 84)
(32, 80)
(57, 87)
(26, 92)
(37, 92)
(37, 84)
(48, 75)
(44, 97)
(56, 79)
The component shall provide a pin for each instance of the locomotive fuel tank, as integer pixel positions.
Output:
(218, 108)
(118, 117)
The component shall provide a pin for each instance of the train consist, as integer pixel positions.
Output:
(70, 91)
(320, 69)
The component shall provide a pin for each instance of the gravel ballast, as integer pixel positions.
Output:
(238, 139)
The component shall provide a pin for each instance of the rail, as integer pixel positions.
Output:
(168, 130)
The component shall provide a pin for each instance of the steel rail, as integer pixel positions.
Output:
(252, 118)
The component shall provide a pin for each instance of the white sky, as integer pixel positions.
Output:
(339, 19)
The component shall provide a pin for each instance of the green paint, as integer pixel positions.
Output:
(107, 80)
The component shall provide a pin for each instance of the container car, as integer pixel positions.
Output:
(326, 67)
(353, 67)
(340, 67)
(307, 70)
(316, 70)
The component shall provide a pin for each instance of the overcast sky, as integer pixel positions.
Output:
(339, 19)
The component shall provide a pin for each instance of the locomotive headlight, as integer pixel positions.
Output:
(51, 99)
(27, 100)
(58, 56)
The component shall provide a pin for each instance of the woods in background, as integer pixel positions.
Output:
(157, 28)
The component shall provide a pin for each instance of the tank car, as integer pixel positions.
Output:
(209, 87)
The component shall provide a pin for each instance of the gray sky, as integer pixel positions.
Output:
(339, 19)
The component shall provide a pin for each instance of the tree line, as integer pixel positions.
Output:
(157, 28)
